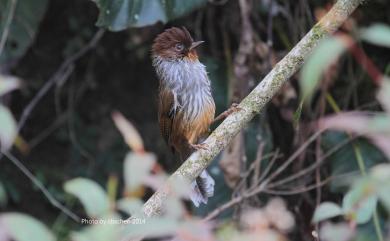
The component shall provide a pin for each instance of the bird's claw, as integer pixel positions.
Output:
(234, 108)
(200, 146)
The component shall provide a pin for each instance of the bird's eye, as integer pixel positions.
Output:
(179, 47)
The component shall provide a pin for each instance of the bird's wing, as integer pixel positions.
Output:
(166, 113)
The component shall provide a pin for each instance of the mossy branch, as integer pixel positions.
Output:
(254, 102)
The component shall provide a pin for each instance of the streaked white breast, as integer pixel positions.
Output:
(189, 83)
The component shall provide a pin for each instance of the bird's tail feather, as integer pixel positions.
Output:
(202, 188)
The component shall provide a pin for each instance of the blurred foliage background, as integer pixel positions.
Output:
(74, 75)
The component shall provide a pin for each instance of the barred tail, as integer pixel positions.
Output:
(202, 188)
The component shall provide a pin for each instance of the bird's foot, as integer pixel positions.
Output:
(200, 146)
(233, 108)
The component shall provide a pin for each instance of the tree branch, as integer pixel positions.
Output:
(254, 102)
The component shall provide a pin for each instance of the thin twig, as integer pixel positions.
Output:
(256, 165)
(295, 155)
(266, 182)
(71, 126)
(266, 185)
(63, 72)
(313, 166)
(264, 188)
(251, 168)
(41, 187)
(234, 201)
(270, 41)
(298, 190)
(306, 188)
(48, 131)
(269, 167)
(7, 25)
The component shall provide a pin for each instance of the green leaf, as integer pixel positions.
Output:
(378, 34)
(137, 167)
(8, 83)
(21, 227)
(319, 61)
(384, 95)
(366, 210)
(336, 232)
(368, 231)
(130, 206)
(226, 231)
(105, 229)
(325, 211)
(181, 187)
(155, 227)
(358, 204)
(7, 128)
(22, 28)
(91, 195)
(3, 196)
(344, 160)
(384, 195)
(381, 174)
(118, 15)
(174, 207)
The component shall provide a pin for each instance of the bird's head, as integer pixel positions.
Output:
(175, 43)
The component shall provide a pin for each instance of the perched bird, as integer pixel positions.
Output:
(186, 107)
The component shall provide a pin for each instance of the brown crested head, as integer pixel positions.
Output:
(175, 43)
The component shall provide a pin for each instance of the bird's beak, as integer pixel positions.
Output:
(196, 44)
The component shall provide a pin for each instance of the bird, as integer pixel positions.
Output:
(186, 107)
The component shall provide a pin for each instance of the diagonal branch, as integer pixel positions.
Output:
(254, 102)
